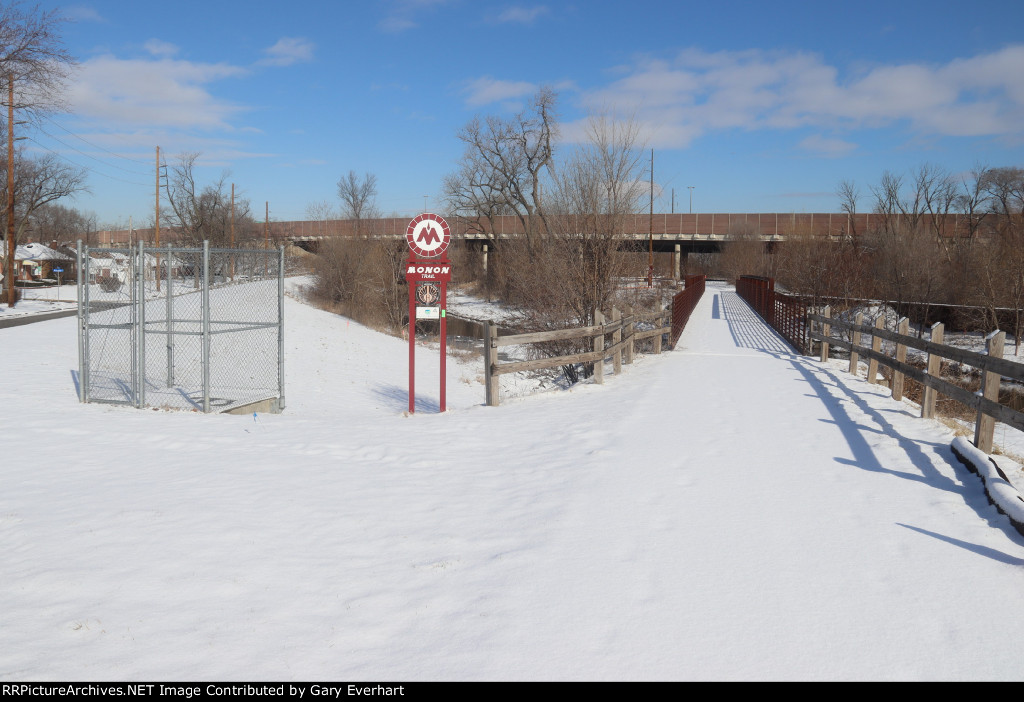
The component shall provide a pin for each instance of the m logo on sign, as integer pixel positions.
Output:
(428, 235)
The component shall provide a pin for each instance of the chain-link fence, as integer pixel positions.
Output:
(181, 328)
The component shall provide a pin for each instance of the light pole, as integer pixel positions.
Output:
(691, 187)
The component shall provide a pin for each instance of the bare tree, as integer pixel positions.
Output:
(744, 253)
(321, 213)
(471, 196)
(38, 182)
(577, 266)
(1005, 187)
(33, 66)
(849, 194)
(597, 189)
(362, 279)
(32, 55)
(504, 165)
(53, 222)
(358, 199)
(203, 212)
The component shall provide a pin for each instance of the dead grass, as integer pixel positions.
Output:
(955, 415)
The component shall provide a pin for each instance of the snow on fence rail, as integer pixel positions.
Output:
(622, 329)
(992, 364)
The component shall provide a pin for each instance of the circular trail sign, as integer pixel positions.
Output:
(428, 235)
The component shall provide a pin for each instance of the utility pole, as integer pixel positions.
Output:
(266, 236)
(10, 190)
(650, 224)
(691, 197)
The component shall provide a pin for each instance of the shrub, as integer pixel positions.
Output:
(109, 283)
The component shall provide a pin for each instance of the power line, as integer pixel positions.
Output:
(111, 165)
(95, 146)
(88, 168)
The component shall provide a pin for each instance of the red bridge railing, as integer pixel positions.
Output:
(786, 314)
(683, 303)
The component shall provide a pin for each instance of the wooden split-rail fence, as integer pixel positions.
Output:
(622, 326)
(992, 365)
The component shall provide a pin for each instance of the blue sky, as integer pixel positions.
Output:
(761, 107)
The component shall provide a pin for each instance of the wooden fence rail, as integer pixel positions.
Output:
(622, 328)
(992, 364)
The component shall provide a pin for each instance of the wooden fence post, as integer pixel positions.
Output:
(660, 322)
(599, 346)
(491, 381)
(854, 356)
(616, 338)
(876, 345)
(933, 369)
(628, 332)
(985, 426)
(901, 356)
(826, 329)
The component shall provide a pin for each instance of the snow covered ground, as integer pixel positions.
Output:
(726, 511)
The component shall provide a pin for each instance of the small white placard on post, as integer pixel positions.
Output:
(428, 312)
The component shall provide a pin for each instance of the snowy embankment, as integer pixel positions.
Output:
(725, 511)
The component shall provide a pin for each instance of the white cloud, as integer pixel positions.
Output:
(82, 13)
(160, 48)
(698, 92)
(823, 146)
(160, 93)
(287, 51)
(522, 15)
(485, 90)
(401, 14)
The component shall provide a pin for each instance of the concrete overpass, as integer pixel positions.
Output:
(691, 232)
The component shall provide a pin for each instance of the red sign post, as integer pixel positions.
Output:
(428, 272)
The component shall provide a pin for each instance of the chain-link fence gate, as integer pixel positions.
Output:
(182, 328)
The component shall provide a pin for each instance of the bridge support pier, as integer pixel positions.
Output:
(677, 261)
(485, 260)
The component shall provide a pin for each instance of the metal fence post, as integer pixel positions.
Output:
(81, 324)
(133, 332)
(86, 361)
(170, 322)
(280, 329)
(206, 326)
(141, 323)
